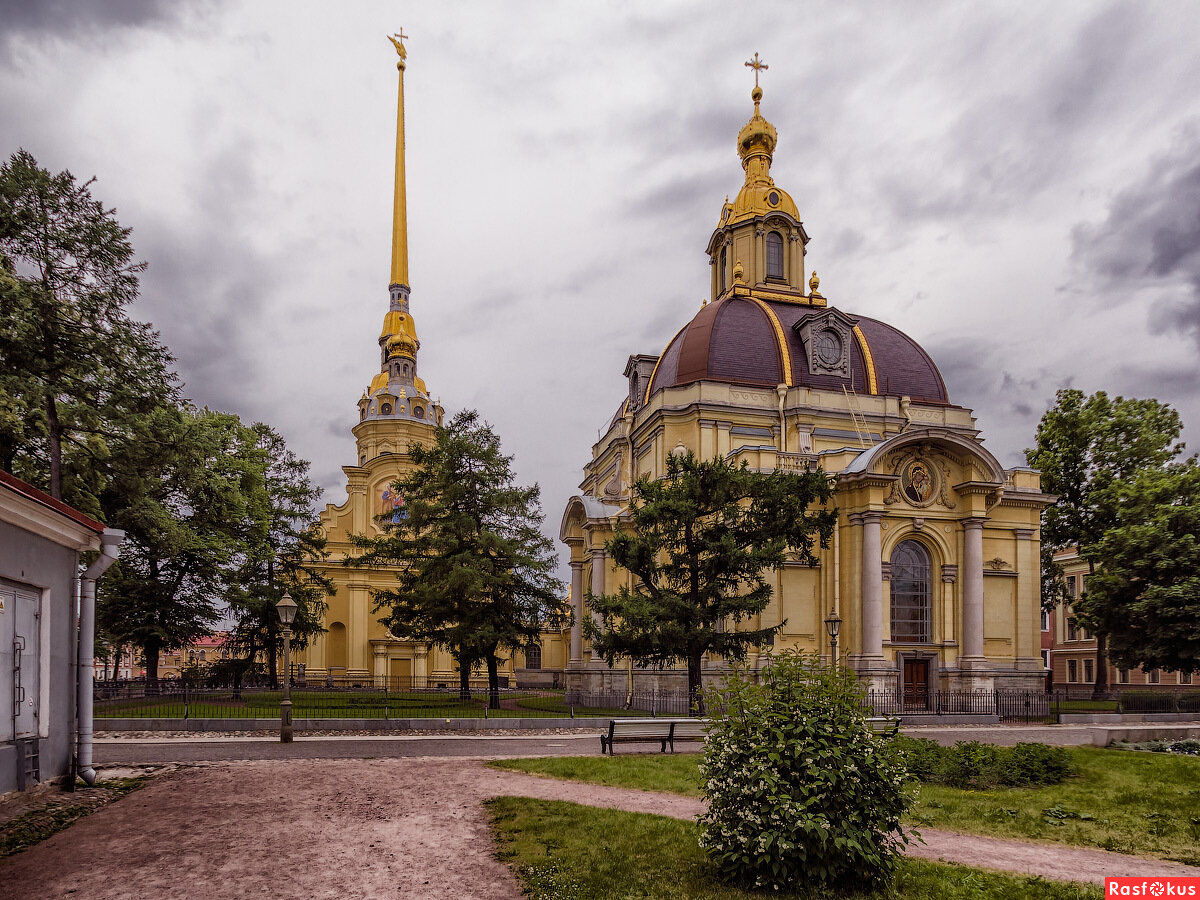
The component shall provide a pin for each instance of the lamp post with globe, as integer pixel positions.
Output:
(286, 608)
(833, 625)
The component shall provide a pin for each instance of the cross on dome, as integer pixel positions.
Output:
(757, 65)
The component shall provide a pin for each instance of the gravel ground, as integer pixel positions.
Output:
(412, 828)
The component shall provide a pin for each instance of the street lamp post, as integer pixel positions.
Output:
(287, 614)
(833, 625)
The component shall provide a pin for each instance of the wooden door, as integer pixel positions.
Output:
(400, 671)
(916, 683)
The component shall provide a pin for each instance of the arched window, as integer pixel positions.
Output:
(533, 656)
(203, 655)
(774, 255)
(724, 266)
(912, 593)
(386, 409)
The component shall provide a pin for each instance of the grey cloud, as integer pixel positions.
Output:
(1151, 238)
(1037, 110)
(41, 21)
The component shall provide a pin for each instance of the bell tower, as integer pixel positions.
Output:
(759, 245)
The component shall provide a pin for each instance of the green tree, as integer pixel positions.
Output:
(282, 544)
(1085, 446)
(474, 572)
(699, 544)
(70, 352)
(1146, 594)
(178, 491)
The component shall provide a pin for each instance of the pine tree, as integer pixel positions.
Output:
(474, 572)
(699, 544)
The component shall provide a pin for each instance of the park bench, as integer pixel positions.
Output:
(888, 725)
(652, 731)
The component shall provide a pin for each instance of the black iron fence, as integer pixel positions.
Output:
(416, 698)
(367, 699)
(1029, 706)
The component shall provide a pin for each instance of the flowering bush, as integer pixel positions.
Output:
(800, 790)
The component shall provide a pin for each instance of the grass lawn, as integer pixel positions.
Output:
(563, 850)
(1147, 804)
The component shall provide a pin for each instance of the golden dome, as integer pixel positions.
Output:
(759, 196)
(420, 382)
(396, 322)
(402, 345)
(378, 383)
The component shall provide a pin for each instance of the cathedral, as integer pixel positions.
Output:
(932, 578)
(394, 412)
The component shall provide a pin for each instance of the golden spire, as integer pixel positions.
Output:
(399, 209)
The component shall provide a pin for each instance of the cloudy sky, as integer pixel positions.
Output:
(1017, 186)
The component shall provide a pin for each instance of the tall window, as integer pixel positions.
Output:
(1045, 620)
(724, 266)
(774, 255)
(1185, 677)
(1089, 670)
(1153, 677)
(911, 594)
(533, 656)
(1071, 586)
(1123, 676)
(1072, 670)
(1072, 630)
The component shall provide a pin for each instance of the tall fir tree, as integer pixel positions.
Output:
(698, 545)
(475, 575)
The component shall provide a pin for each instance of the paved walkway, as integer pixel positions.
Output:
(367, 828)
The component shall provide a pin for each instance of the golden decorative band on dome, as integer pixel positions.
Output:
(868, 360)
(658, 362)
(784, 356)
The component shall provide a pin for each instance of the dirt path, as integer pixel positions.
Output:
(412, 828)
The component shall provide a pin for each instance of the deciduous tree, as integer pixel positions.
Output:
(1085, 446)
(69, 350)
(1146, 593)
(699, 545)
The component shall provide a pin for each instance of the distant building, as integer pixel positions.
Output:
(122, 664)
(1073, 650)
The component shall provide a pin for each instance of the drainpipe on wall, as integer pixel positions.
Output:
(110, 544)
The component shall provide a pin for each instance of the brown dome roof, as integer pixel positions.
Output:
(749, 341)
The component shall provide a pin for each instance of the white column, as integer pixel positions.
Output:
(598, 562)
(972, 587)
(577, 604)
(872, 585)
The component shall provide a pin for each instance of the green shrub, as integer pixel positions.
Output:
(1033, 764)
(921, 756)
(800, 790)
(969, 764)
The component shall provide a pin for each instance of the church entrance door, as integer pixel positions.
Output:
(916, 684)
(400, 671)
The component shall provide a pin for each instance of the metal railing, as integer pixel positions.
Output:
(362, 699)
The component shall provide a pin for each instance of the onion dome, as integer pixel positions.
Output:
(764, 343)
(759, 196)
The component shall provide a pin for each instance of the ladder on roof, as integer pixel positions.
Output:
(857, 417)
